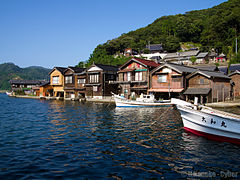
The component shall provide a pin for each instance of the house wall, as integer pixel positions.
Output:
(199, 81)
(57, 87)
(46, 91)
(172, 83)
(235, 78)
(220, 89)
(94, 89)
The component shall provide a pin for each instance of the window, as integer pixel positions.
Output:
(128, 76)
(201, 81)
(81, 81)
(68, 79)
(94, 78)
(138, 76)
(55, 80)
(162, 78)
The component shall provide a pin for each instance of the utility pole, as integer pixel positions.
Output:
(236, 46)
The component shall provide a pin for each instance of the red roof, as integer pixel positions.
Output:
(147, 62)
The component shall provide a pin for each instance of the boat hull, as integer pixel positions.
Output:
(123, 102)
(139, 104)
(210, 125)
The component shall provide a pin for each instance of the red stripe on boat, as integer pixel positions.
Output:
(213, 137)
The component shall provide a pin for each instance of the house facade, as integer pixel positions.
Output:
(235, 76)
(57, 81)
(169, 80)
(98, 81)
(208, 86)
(74, 83)
(133, 76)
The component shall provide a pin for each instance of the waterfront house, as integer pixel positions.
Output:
(57, 81)
(235, 76)
(169, 80)
(74, 83)
(98, 81)
(25, 86)
(133, 76)
(208, 86)
(45, 90)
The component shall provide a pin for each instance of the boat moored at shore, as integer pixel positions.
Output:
(143, 101)
(210, 123)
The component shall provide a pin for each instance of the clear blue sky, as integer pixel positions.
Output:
(52, 33)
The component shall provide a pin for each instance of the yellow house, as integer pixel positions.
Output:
(57, 81)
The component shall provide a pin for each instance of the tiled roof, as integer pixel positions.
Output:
(207, 67)
(210, 74)
(179, 55)
(107, 67)
(197, 91)
(27, 82)
(77, 69)
(61, 69)
(154, 47)
(147, 62)
(202, 55)
(233, 73)
(232, 68)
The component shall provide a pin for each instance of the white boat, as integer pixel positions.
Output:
(8, 93)
(210, 123)
(143, 101)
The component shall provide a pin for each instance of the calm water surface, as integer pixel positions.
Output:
(42, 139)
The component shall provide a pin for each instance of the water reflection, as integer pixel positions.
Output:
(66, 139)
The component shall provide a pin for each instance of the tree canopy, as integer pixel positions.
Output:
(216, 27)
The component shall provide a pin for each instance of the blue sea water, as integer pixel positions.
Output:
(42, 139)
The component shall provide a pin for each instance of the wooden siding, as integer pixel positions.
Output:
(235, 78)
(171, 81)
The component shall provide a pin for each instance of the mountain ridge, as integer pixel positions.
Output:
(10, 71)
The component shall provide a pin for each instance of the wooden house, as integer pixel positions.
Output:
(169, 80)
(74, 83)
(235, 76)
(25, 86)
(45, 90)
(98, 80)
(208, 86)
(57, 81)
(133, 76)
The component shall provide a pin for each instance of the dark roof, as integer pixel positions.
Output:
(181, 55)
(77, 69)
(197, 91)
(232, 68)
(154, 47)
(45, 83)
(107, 67)
(27, 82)
(176, 67)
(208, 68)
(209, 74)
(60, 69)
(233, 73)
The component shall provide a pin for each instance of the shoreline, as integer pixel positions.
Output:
(228, 104)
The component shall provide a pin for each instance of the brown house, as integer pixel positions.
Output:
(74, 83)
(235, 76)
(98, 80)
(57, 81)
(133, 76)
(208, 86)
(169, 80)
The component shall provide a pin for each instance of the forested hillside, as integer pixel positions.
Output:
(216, 27)
(9, 71)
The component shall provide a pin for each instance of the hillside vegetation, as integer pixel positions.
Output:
(216, 27)
(9, 71)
